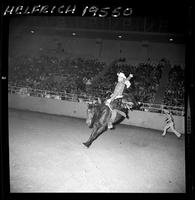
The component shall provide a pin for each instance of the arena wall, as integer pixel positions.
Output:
(78, 110)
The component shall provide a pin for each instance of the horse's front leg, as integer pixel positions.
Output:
(97, 131)
(89, 141)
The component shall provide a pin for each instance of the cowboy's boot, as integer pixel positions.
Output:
(110, 125)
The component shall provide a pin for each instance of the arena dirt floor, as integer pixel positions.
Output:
(47, 155)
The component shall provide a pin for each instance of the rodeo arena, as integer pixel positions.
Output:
(96, 105)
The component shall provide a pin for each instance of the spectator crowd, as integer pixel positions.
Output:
(72, 78)
(174, 94)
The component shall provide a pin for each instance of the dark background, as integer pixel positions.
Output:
(179, 14)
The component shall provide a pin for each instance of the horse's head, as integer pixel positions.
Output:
(93, 109)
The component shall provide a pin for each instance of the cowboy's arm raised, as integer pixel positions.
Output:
(129, 77)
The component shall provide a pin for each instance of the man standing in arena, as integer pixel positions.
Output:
(116, 97)
(170, 124)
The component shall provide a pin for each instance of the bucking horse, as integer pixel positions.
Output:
(99, 113)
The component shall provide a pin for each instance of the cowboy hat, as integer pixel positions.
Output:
(121, 74)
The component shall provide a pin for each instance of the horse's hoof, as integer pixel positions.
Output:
(87, 145)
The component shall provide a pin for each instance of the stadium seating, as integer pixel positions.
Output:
(75, 76)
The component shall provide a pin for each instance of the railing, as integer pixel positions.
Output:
(83, 97)
(158, 108)
(27, 91)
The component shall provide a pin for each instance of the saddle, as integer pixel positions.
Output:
(119, 105)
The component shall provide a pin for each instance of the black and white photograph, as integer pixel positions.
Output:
(97, 99)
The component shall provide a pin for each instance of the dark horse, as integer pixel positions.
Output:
(98, 116)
